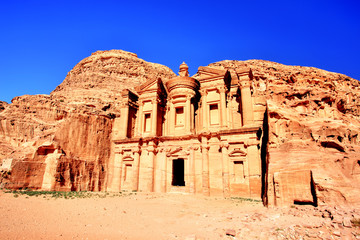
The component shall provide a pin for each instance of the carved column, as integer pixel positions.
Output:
(152, 168)
(246, 102)
(253, 157)
(162, 165)
(225, 167)
(168, 116)
(204, 110)
(205, 166)
(172, 118)
(136, 168)
(188, 115)
(116, 179)
(228, 112)
(154, 117)
(166, 122)
(139, 120)
(192, 119)
(223, 107)
(192, 172)
(125, 119)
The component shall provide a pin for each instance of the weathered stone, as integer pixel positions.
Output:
(347, 222)
(230, 232)
(305, 119)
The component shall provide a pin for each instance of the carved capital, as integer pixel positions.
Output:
(252, 142)
(205, 147)
(224, 144)
(152, 149)
(119, 150)
(137, 150)
(244, 84)
(162, 149)
(141, 103)
(221, 89)
(155, 101)
(203, 92)
(192, 147)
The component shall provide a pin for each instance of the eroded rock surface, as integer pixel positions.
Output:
(71, 127)
(312, 124)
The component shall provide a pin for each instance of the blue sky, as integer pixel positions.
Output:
(43, 40)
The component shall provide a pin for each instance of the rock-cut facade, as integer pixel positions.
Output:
(200, 135)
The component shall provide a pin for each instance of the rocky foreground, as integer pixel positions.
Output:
(171, 216)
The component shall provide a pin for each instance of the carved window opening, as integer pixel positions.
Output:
(131, 122)
(178, 173)
(179, 116)
(127, 172)
(214, 114)
(147, 122)
(238, 171)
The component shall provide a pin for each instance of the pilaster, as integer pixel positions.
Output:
(124, 119)
(137, 153)
(154, 117)
(116, 179)
(188, 115)
(204, 107)
(192, 170)
(152, 154)
(205, 166)
(223, 116)
(225, 167)
(139, 120)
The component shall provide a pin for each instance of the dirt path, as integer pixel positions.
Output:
(158, 216)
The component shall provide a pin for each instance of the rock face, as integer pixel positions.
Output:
(311, 128)
(2, 105)
(100, 78)
(67, 133)
(313, 124)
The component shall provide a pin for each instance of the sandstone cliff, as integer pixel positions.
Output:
(71, 127)
(97, 81)
(313, 124)
(2, 105)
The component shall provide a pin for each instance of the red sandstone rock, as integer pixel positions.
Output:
(314, 121)
(313, 125)
(230, 232)
(76, 119)
(3, 105)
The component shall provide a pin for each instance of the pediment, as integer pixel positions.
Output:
(208, 74)
(237, 153)
(208, 71)
(150, 85)
(128, 158)
(177, 152)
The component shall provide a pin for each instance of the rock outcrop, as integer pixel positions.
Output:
(68, 132)
(2, 106)
(313, 124)
(311, 128)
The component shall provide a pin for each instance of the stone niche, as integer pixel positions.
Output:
(294, 187)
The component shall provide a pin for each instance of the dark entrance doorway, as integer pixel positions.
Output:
(178, 172)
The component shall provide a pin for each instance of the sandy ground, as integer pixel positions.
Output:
(159, 216)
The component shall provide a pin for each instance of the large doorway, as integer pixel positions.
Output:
(178, 172)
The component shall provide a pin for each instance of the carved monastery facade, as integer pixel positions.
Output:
(199, 135)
